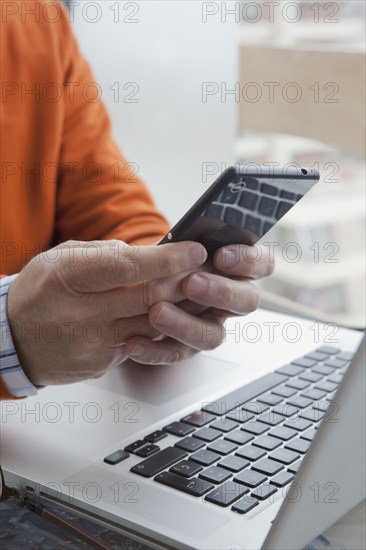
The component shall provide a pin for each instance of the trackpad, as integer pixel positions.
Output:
(159, 384)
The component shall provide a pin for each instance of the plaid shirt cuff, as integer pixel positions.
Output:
(11, 372)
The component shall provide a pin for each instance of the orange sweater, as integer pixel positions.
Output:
(62, 175)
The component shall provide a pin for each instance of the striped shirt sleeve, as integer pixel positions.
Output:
(11, 371)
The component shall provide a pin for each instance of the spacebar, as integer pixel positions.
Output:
(238, 397)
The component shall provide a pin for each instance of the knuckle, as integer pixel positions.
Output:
(253, 298)
(150, 293)
(188, 333)
(226, 295)
(167, 263)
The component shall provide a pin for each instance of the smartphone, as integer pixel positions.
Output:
(242, 205)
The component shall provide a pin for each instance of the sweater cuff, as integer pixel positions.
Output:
(11, 372)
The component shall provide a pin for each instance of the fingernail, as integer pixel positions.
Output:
(229, 257)
(197, 285)
(166, 317)
(197, 255)
(137, 350)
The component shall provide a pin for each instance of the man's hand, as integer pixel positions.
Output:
(71, 308)
(213, 293)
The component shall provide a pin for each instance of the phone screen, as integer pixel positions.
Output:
(240, 208)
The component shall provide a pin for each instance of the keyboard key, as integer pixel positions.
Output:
(323, 369)
(147, 450)
(204, 457)
(315, 415)
(194, 486)
(299, 424)
(321, 405)
(214, 211)
(250, 478)
(283, 433)
(298, 445)
(199, 418)
(226, 494)
(345, 355)
(310, 376)
(186, 468)
(179, 428)
(287, 195)
(255, 428)
(270, 399)
(244, 394)
(290, 370)
(233, 216)
(285, 409)
(223, 447)
(216, 475)
(154, 437)
(253, 225)
(233, 463)
(301, 402)
(304, 362)
(190, 444)
(239, 437)
(282, 209)
(326, 386)
(228, 197)
(267, 207)
(251, 453)
(240, 415)
(269, 189)
(316, 356)
(267, 467)
(284, 456)
(133, 447)
(251, 183)
(335, 378)
(271, 418)
(294, 468)
(267, 226)
(207, 434)
(224, 425)
(264, 491)
(328, 350)
(336, 363)
(255, 407)
(282, 479)
(284, 391)
(314, 394)
(267, 442)
(309, 434)
(248, 200)
(116, 457)
(245, 505)
(158, 462)
(298, 384)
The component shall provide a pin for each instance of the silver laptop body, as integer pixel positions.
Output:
(53, 446)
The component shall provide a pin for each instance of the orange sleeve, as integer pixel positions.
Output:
(99, 196)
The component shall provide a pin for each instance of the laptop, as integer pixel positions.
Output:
(258, 444)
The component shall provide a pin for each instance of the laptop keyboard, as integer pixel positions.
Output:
(256, 208)
(241, 449)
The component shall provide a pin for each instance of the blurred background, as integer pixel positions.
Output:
(193, 87)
